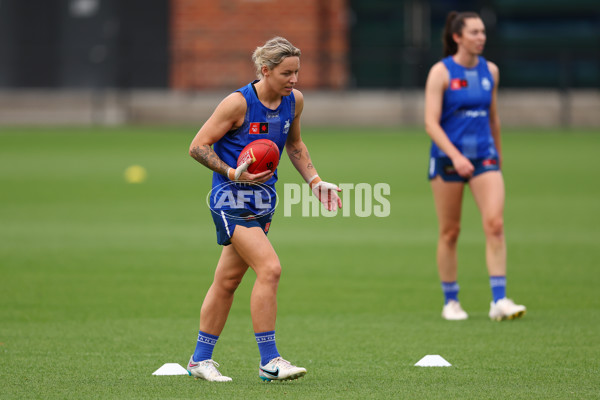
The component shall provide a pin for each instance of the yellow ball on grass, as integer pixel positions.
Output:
(135, 174)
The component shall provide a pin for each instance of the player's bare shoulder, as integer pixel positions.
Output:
(233, 108)
(438, 67)
(298, 96)
(494, 70)
(299, 101)
(234, 103)
(438, 76)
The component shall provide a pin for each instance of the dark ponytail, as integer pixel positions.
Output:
(455, 22)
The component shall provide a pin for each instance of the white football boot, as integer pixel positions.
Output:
(206, 370)
(506, 309)
(279, 369)
(452, 311)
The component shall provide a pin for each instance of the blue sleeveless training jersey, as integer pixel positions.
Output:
(260, 122)
(465, 110)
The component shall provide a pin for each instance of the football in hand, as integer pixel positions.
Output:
(263, 152)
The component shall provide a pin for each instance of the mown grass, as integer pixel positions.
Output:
(101, 281)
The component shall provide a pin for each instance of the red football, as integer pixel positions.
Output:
(265, 154)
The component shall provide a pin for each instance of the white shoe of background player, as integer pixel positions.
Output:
(452, 311)
(506, 309)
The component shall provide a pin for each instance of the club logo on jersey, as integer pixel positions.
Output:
(259, 128)
(286, 127)
(486, 84)
(457, 84)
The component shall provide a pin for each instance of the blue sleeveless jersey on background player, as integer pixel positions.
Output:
(260, 122)
(465, 110)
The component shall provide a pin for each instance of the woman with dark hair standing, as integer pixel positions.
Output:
(462, 120)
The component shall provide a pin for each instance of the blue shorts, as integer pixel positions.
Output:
(227, 220)
(443, 167)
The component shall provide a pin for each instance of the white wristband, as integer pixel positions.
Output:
(312, 178)
(227, 173)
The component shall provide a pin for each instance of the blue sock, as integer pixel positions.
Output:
(498, 285)
(204, 346)
(266, 346)
(450, 291)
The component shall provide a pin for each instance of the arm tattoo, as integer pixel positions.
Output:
(206, 156)
(296, 154)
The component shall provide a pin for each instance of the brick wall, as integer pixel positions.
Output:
(212, 40)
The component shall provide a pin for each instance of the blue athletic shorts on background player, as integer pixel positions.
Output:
(443, 167)
(227, 220)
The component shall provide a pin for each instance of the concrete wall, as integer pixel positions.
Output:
(536, 108)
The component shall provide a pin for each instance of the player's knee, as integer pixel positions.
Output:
(270, 272)
(449, 235)
(231, 284)
(494, 226)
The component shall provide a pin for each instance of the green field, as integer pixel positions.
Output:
(101, 281)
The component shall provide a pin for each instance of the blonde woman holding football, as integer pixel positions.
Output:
(273, 105)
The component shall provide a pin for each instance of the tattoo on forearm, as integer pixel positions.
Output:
(206, 156)
(296, 154)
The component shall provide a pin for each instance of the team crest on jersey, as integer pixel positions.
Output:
(457, 84)
(286, 127)
(259, 128)
(486, 84)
